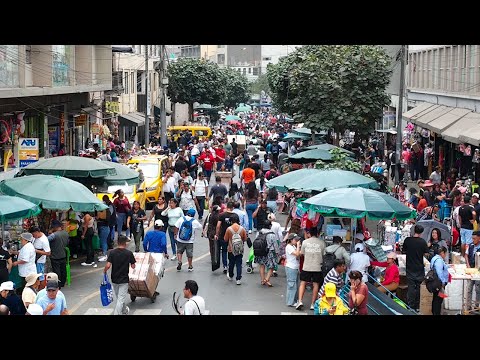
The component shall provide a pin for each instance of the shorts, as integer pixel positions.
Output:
(311, 276)
(181, 247)
(466, 236)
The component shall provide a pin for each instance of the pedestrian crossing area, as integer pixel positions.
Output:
(108, 311)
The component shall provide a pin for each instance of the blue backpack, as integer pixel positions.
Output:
(186, 230)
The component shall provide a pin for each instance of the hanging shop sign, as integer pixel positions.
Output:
(62, 128)
(27, 151)
(81, 120)
(112, 107)
(95, 129)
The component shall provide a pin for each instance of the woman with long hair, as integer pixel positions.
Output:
(173, 212)
(252, 198)
(235, 193)
(157, 210)
(135, 219)
(435, 243)
(358, 295)
(292, 264)
(210, 225)
(87, 238)
(122, 207)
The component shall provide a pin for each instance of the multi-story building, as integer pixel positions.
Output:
(52, 93)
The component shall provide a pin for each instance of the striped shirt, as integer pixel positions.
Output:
(332, 277)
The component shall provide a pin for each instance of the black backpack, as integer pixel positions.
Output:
(328, 261)
(260, 244)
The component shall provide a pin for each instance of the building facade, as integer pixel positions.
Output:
(51, 93)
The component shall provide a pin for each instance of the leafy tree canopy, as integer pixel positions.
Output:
(259, 85)
(236, 86)
(339, 161)
(332, 87)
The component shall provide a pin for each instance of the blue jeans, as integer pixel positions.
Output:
(40, 270)
(201, 206)
(103, 232)
(172, 240)
(208, 174)
(250, 208)
(292, 285)
(272, 204)
(219, 165)
(223, 248)
(466, 236)
(122, 219)
(235, 261)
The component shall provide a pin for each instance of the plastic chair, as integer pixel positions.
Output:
(69, 279)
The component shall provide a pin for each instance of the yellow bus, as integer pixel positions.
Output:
(202, 132)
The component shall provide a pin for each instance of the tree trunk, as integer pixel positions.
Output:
(190, 112)
(172, 115)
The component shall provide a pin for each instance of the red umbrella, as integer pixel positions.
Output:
(234, 122)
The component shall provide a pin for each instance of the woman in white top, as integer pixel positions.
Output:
(292, 252)
(174, 213)
(360, 261)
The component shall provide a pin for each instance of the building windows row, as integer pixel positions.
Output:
(8, 66)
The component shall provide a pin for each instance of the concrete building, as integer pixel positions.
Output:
(53, 93)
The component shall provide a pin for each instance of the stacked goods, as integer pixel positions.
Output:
(143, 280)
(425, 300)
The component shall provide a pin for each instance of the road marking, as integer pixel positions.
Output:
(245, 313)
(98, 311)
(292, 313)
(147, 311)
(97, 293)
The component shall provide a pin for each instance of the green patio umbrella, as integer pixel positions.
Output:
(53, 193)
(202, 107)
(310, 156)
(125, 175)
(70, 166)
(320, 180)
(15, 208)
(232, 117)
(329, 147)
(302, 131)
(243, 108)
(293, 136)
(358, 203)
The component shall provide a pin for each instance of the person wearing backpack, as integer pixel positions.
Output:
(266, 250)
(332, 252)
(185, 234)
(200, 191)
(472, 249)
(224, 222)
(312, 249)
(441, 269)
(235, 236)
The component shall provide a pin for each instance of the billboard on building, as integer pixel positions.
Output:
(27, 151)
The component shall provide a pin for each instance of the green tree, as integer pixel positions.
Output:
(196, 80)
(339, 161)
(334, 87)
(236, 86)
(259, 85)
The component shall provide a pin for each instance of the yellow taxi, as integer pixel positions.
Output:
(202, 132)
(132, 192)
(153, 168)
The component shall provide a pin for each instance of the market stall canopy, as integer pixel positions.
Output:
(243, 108)
(320, 180)
(132, 119)
(446, 120)
(70, 166)
(310, 156)
(468, 128)
(330, 147)
(293, 136)
(15, 208)
(358, 203)
(413, 114)
(302, 131)
(232, 117)
(125, 175)
(53, 193)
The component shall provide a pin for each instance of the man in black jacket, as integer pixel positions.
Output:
(58, 256)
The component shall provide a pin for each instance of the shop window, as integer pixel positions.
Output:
(8, 66)
(220, 59)
(61, 64)
(28, 54)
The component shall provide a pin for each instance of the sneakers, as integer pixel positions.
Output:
(127, 310)
(294, 305)
(179, 266)
(94, 265)
(249, 231)
(299, 305)
(86, 264)
(102, 258)
(173, 258)
(190, 268)
(229, 278)
(239, 282)
(312, 307)
(275, 273)
(225, 269)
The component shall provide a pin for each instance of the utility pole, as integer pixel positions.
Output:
(147, 102)
(163, 84)
(403, 51)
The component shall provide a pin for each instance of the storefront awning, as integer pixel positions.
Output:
(417, 111)
(446, 120)
(467, 129)
(132, 119)
(431, 114)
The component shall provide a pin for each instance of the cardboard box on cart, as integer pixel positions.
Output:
(142, 280)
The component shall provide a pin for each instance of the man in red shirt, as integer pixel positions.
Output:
(207, 159)
(220, 156)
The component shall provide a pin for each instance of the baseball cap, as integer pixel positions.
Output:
(31, 278)
(55, 224)
(191, 212)
(359, 247)
(7, 285)
(159, 223)
(292, 236)
(52, 285)
(330, 290)
(392, 255)
(35, 309)
(52, 276)
(476, 195)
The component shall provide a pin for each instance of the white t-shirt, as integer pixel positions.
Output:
(28, 296)
(292, 261)
(27, 253)
(191, 308)
(360, 261)
(186, 200)
(195, 225)
(200, 189)
(42, 243)
(169, 185)
(173, 215)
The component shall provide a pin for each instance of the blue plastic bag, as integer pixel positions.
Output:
(106, 291)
